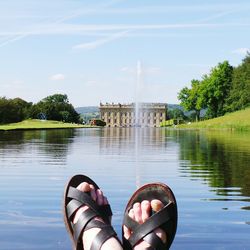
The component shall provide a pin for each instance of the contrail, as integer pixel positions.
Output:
(62, 19)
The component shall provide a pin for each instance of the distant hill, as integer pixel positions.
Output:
(175, 106)
(87, 109)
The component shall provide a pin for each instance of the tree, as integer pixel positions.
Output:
(56, 98)
(176, 114)
(56, 107)
(215, 89)
(23, 108)
(13, 110)
(239, 97)
(191, 99)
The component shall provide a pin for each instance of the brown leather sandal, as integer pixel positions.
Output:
(165, 218)
(73, 200)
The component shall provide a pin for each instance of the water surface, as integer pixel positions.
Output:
(209, 173)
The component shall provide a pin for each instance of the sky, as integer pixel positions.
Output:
(101, 51)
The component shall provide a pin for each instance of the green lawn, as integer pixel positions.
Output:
(239, 120)
(39, 124)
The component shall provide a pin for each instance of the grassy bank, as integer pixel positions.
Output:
(38, 124)
(239, 120)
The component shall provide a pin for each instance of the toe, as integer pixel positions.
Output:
(156, 205)
(127, 232)
(131, 214)
(93, 192)
(84, 187)
(145, 207)
(137, 212)
(99, 197)
(105, 200)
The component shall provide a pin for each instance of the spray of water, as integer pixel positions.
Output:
(137, 121)
(137, 93)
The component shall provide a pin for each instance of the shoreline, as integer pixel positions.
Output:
(40, 125)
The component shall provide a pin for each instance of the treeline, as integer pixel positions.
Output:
(224, 89)
(54, 107)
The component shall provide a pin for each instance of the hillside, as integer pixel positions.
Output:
(87, 109)
(239, 120)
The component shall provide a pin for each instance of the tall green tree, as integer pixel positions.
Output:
(239, 94)
(56, 107)
(191, 99)
(13, 110)
(215, 89)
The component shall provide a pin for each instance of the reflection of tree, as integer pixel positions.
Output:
(53, 143)
(222, 159)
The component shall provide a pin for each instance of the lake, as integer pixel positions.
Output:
(209, 173)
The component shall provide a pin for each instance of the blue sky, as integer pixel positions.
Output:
(89, 50)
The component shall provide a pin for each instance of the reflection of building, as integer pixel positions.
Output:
(123, 115)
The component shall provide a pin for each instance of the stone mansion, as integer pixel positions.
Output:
(125, 115)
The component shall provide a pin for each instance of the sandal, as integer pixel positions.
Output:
(166, 218)
(73, 200)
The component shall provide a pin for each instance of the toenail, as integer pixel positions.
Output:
(136, 205)
(145, 203)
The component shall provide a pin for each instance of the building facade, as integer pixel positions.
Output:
(130, 115)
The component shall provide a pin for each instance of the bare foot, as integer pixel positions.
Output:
(140, 213)
(89, 235)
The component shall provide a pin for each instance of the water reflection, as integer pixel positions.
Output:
(138, 146)
(208, 171)
(124, 140)
(220, 159)
(49, 145)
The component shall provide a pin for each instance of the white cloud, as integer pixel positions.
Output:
(241, 51)
(57, 77)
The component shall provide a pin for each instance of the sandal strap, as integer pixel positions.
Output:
(82, 222)
(154, 241)
(106, 233)
(129, 222)
(155, 221)
(83, 197)
(72, 207)
(86, 219)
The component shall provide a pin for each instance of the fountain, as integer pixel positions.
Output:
(137, 122)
